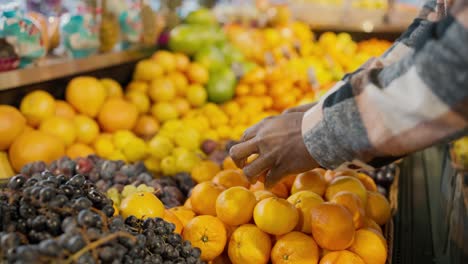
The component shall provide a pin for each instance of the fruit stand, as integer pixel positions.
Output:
(122, 156)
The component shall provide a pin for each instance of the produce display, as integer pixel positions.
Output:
(460, 153)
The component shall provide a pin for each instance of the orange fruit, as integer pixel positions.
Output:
(205, 171)
(183, 213)
(378, 208)
(140, 86)
(165, 59)
(146, 126)
(208, 234)
(172, 218)
(304, 201)
(113, 88)
(79, 150)
(289, 180)
(370, 246)
(371, 224)
(310, 181)
(196, 95)
(204, 197)
(235, 206)
(295, 248)
(182, 106)
(354, 205)
(162, 90)
(37, 106)
(59, 127)
(86, 129)
(249, 245)
(12, 124)
(341, 257)
(332, 226)
(117, 114)
(142, 205)
(197, 73)
(258, 186)
(147, 70)
(284, 101)
(64, 109)
(182, 61)
(263, 194)
(228, 163)
(367, 181)
(180, 82)
(242, 89)
(275, 216)
(86, 94)
(346, 183)
(140, 100)
(188, 203)
(281, 190)
(32, 146)
(231, 178)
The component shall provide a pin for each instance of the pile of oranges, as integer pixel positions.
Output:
(315, 217)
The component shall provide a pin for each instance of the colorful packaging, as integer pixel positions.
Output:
(131, 24)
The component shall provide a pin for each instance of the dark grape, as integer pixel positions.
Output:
(16, 182)
(82, 203)
(47, 194)
(49, 247)
(77, 180)
(75, 243)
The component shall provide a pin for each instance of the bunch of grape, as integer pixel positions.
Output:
(63, 219)
(383, 177)
(116, 175)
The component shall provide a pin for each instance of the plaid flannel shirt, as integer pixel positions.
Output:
(414, 96)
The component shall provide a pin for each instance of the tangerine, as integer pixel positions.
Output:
(64, 109)
(341, 257)
(249, 245)
(310, 181)
(304, 201)
(117, 114)
(79, 150)
(204, 197)
(12, 124)
(37, 106)
(346, 183)
(378, 208)
(354, 205)
(86, 94)
(295, 248)
(275, 216)
(370, 246)
(231, 178)
(235, 206)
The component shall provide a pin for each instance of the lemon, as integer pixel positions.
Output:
(135, 150)
(168, 165)
(160, 146)
(172, 125)
(117, 155)
(210, 134)
(164, 111)
(176, 152)
(196, 95)
(224, 131)
(121, 138)
(185, 162)
(152, 164)
(205, 171)
(142, 205)
(188, 138)
(103, 146)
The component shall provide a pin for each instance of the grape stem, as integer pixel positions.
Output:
(97, 243)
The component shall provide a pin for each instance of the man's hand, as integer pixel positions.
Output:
(278, 141)
(299, 109)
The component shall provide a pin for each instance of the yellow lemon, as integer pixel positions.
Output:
(142, 205)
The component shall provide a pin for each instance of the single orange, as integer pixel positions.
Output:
(263, 194)
(37, 106)
(204, 197)
(378, 208)
(304, 201)
(367, 181)
(147, 70)
(341, 257)
(183, 213)
(281, 190)
(182, 106)
(332, 226)
(197, 73)
(249, 245)
(180, 82)
(140, 100)
(231, 178)
(12, 124)
(205, 171)
(146, 126)
(295, 248)
(235, 206)
(228, 163)
(113, 88)
(117, 114)
(140, 86)
(33, 145)
(371, 224)
(170, 217)
(310, 181)
(86, 94)
(79, 150)
(60, 127)
(242, 89)
(64, 109)
(353, 203)
(275, 216)
(86, 129)
(162, 90)
(182, 61)
(346, 183)
(208, 234)
(165, 59)
(370, 246)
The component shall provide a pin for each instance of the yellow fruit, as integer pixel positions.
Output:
(205, 171)
(196, 95)
(371, 224)
(60, 127)
(118, 155)
(146, 126)
(310, 181)
(160, 147)
(140, 100)
(295, 248)
(139, 86)
(370, 246)
(182, 106)
(32, 146)
(378, 208)
(228, 163)
(6, 171)
(168, 165)
(147, 70)
(103, 146)
(79, 150)
(64, 109)
(86, 94)
(185, 162)
(113, 88)
(263, 194)
(304, 201)
(183, 213)
(12, 124)
(162, 90)
(117, 114)
(204, 197)
(235, 206)
(346, 183)
(122, 138)
(164, 111)
(166, 60)
(172, 218)
(142, 205)
(341, 257)
(197, 73)
(354, 205)
(231, 178)
(188, 138)
(180, 82)
(135, 150)
(37, 106)
(182, 61)
(275, 216)
(249, 245)
(153, 164)
(86, 129)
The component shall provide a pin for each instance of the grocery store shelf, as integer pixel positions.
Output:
(54, 68)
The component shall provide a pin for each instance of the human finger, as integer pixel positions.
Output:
(274, 175)
(241, 151)
(259, 165)
(301, 108)
(250, 132)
